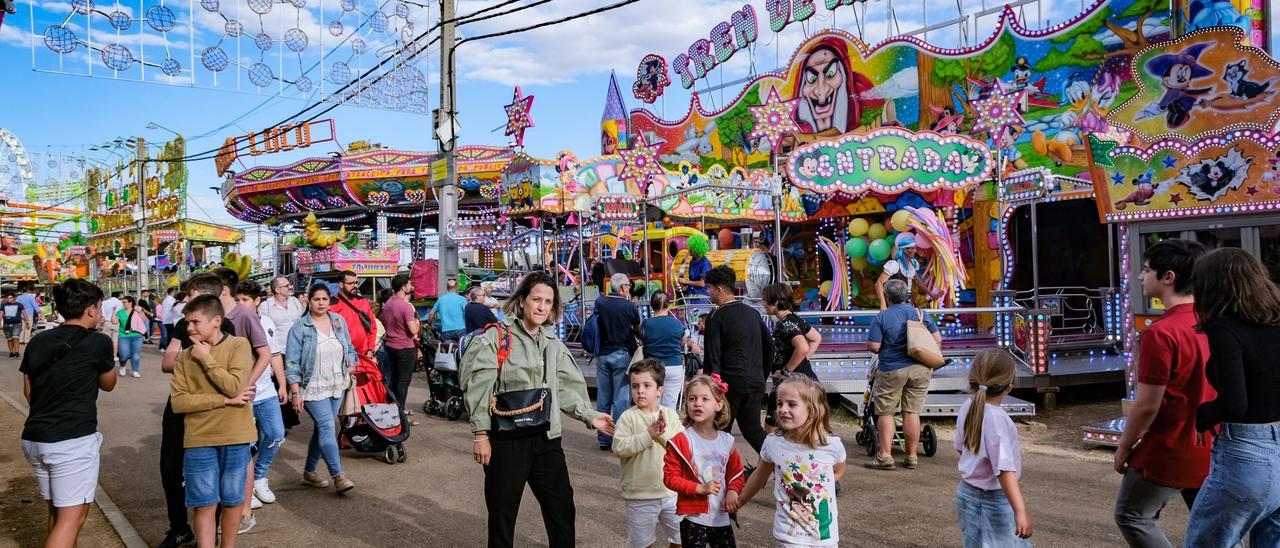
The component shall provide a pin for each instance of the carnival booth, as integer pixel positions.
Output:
(1210, 174)
(345, 211)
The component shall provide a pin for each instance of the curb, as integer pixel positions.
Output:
(128, 535)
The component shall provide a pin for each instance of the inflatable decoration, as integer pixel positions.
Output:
(855, 248)
(877, 232)
(899, 220)
(944, 272)
(242, 264)
(858, 227)
(320, 239)
(879, 250)
(727, 238)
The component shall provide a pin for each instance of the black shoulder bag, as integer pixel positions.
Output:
(365, 320)
(518, 413)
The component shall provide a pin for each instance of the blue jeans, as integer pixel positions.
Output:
(986, 519)
(270, 434)
(613, 392)
(1241, 496)
(454, 336)
(166, 332)
(131, 349)
(324, 440)
(215, 475)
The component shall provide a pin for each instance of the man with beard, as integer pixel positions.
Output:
(357, 312)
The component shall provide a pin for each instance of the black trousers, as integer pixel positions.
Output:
(171, 433)
(400, 367)
(744, 409)
(539, 462)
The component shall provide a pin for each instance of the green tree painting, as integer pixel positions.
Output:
(735, 124)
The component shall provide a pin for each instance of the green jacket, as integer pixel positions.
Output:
(522, 371)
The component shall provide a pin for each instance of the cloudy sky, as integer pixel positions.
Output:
(55, 106)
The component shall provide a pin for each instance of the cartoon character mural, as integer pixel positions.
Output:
(1073, 76)
(830, 91)
(1170, 179)
(1200, 85)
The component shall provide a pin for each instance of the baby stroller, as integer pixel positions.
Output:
(869, 436)
(379, 428)
(442, 378)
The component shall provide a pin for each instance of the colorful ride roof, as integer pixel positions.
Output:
(350, 189)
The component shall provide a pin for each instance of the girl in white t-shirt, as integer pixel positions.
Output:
(809, 461)
(989, 502)
(703, 468)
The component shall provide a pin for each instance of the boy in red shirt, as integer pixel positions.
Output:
(1160, 454)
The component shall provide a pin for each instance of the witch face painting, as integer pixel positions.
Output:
(828, 89)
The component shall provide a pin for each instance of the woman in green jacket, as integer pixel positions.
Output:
(536, 459)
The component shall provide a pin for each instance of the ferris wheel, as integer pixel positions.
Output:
(16, 169)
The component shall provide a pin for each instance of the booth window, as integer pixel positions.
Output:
(1269, 250)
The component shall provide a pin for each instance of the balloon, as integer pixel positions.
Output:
(726, 238)
(859, 264)
(855, 247)
(923, 244)
(899, 220)
(879, 250)
(877, 231)
(825, 288)
(858, 227)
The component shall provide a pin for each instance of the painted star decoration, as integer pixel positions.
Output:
(640, 164)
(1169, 161)
(999, 110)
(773, 119)
(518, 116)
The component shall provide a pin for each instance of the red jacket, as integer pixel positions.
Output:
(363, 340)
(680, 476)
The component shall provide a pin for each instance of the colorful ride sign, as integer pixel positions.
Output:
(889, 161)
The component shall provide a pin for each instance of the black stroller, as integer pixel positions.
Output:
(443, 381)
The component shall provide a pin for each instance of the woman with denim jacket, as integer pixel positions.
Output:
(318, 362)
(1238, 308)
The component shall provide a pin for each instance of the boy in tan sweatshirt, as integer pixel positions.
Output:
(206, 386)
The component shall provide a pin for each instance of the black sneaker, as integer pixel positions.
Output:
(174, 540)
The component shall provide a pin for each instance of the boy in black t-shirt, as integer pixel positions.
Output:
(14, 314)
(61, 375)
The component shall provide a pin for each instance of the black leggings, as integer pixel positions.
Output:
(744, 409)
(400, 364)
(538, 462)
(171, 434)
(693, 535)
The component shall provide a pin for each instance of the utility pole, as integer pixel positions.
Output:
(448, 249)
(140, 171)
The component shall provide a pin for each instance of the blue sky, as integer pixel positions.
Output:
(566, 67)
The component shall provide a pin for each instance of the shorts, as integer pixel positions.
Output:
(215, 475)
(901, 390)
(643, 515)
(12, 330)
(67, 471)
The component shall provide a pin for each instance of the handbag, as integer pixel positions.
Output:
(921, 346)
(692, 365)
(520, 412)
(445, 360)
(637, 355)
(350, 404)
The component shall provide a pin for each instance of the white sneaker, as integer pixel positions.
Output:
(122, 371)
(246, 523)
(262, 491)
(255, 503)
(137, 375)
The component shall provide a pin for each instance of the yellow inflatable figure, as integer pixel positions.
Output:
(320, 239)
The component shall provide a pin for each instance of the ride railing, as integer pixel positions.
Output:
(1075, 312)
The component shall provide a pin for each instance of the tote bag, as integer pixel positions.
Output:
(921, 346)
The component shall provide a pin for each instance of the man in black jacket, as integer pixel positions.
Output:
(739, 348)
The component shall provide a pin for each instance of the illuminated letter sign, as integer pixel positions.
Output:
(889, 161)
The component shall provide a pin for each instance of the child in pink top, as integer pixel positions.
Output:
(989, 502)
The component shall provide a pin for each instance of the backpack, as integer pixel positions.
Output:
(591, 334)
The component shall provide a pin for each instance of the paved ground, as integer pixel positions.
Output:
(436, 499)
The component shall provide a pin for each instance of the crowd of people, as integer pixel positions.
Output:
(1204, 424)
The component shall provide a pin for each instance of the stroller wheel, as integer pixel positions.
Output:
(453, 409)
(430, 407)
(401, 454)
(390, 455)
(870, 437)
(929, 440)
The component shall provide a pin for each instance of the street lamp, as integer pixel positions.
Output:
(153, 125)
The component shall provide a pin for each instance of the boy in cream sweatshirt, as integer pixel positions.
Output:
(208, 386)
(640, 439)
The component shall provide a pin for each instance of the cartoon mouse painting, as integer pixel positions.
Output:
(1177, 72)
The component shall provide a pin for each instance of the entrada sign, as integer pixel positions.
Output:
(889, 161)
